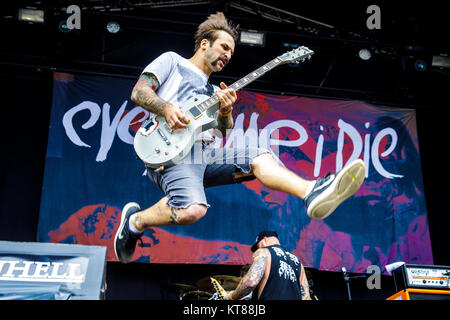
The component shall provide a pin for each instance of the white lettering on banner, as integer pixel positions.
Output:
(276, 125)
(123, 130)
(108, 130)
(376, 146)
(348, 129)
(318, 160)
(42, 271)
(265, 138)
(68, 121)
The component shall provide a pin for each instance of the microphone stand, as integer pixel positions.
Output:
(347, 281)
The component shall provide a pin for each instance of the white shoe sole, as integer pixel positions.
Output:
(122, 222)
(345, 185)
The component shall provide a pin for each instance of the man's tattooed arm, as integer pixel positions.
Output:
(254, 275)
(144, 94)
(304, 286)
(224, 123)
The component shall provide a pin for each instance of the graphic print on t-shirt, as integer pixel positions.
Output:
(285, 270)
(191, 84)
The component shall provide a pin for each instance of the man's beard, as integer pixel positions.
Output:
(224, 60)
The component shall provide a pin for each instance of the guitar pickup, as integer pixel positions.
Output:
(163, 136)
(168, 128)
(195, 112)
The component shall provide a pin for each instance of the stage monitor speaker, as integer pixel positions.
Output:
(51, 271)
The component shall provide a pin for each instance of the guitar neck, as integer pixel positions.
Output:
(241, 83)
(252, 76)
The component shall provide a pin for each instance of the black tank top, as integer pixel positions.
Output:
(282, 283)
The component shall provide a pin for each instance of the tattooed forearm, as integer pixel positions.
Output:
(304, 286)
(144, 94)
(304, 292)
(224, 123)
(254, 275)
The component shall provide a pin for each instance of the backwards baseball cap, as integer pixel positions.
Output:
(262, 235)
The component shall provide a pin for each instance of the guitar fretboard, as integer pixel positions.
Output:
(221, 292)
(241, 83)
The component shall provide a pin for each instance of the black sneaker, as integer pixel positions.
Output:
(331, 191)
(125, 240)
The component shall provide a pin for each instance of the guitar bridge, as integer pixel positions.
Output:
(168, 128)
(163, 136)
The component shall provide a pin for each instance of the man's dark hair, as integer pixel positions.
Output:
(209, 28)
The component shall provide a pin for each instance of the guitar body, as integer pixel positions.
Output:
(158, 146)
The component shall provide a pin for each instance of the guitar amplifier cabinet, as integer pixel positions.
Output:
(50, 271)
(421, 277)
(421, 294)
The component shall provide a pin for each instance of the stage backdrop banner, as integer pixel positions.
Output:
(91, 172)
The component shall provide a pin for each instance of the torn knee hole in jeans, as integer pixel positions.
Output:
(243, 176)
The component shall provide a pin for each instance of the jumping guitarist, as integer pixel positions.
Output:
(163, 87)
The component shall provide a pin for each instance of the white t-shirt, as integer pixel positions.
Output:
(179, 81)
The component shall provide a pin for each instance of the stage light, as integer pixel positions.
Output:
(420, 65)
(365, 54)
(441, 61)
(31, 15)
(416, 63)
(252, 38)
(113, 27)
(290, 45)
(62, 26)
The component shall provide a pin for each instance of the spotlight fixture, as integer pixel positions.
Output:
(441, 61)
(290, 45)
(415, 63)
(62, 26)
(252, 38)
(31, 15)
(113, 27)
(420, 65)
(365, 54)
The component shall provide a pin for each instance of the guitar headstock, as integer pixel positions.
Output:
(219, 289)
(296, 55)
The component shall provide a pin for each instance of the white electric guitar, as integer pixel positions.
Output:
(159, 146)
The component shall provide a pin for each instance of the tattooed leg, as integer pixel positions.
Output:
(173, 216)
(156, 215)
(162, 214)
